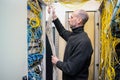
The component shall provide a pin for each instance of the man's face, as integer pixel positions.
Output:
(73, 20)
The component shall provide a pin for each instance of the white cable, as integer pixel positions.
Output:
(49, 32)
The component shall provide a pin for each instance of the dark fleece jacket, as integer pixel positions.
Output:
(77, 55)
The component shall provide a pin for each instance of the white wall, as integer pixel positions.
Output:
(13, 39)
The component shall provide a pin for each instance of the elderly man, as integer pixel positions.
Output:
(78, 51)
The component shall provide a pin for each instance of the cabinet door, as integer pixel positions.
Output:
(89, 28)
(13, 59)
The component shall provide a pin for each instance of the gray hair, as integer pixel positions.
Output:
(83, 14)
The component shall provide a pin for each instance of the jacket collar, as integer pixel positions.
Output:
(78, 29)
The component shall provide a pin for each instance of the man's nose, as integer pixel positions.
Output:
(69, 20)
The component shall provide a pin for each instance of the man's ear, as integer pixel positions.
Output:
(79, 20)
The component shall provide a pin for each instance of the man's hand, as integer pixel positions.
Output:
(51, 11)
(54, 59)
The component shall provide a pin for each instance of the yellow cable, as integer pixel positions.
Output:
(35, 9)
(106, 70)
(35, 22)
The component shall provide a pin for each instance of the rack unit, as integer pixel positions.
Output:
(36, 39)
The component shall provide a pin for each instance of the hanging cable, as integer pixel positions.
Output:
(49, 33)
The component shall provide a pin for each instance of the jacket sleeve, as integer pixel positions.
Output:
(78, 60)
(62, 31)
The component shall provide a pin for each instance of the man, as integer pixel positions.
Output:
(78, 51)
